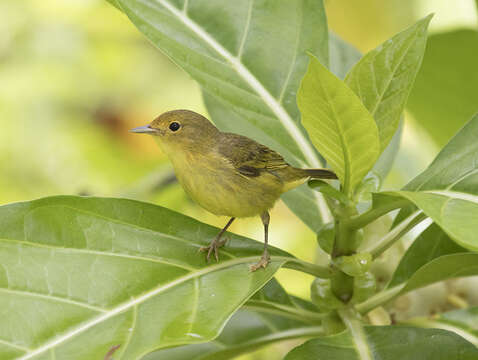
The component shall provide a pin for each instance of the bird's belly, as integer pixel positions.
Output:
(223, 191)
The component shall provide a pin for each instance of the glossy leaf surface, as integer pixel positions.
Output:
(388, 342)
(339, 125)
(383, 78)
(81, 275)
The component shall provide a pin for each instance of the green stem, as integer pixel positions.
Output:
(322, 272)
(379, 299)
(359, 221)
(342, 286)
(396, 233)
(345, 237)
(354, 325)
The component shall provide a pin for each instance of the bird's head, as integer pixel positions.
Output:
(180, 130)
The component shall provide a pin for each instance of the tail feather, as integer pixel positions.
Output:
(320, 173)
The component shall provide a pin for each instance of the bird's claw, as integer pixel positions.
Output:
(213, 246)
(262, 263)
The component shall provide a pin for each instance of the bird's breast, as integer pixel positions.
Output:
(217, 186)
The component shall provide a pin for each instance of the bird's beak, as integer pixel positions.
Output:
(146, 129)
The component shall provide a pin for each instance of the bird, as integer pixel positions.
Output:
(225, 173)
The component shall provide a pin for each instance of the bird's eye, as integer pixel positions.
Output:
(174, 126)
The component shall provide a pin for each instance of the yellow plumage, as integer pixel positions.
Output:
(227, 174)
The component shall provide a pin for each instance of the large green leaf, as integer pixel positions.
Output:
(390, 343)
(271, 316)
(339, 125)
(81, 275)
(447, 191)
(463, 322)
(384, 77)
(248, 57)
(444, 96)
(431, 244)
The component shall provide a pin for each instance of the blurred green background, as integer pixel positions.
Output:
(75, 75)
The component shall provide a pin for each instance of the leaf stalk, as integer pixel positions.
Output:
(396, 234)
(362, 220)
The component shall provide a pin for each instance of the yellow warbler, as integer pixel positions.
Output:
(227, 174)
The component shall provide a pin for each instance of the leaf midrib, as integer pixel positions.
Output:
(341, 137)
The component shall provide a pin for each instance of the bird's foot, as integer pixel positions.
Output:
(213, 247)
(265, 259)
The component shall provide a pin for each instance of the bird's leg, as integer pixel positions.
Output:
(216, 243)
(265, 255)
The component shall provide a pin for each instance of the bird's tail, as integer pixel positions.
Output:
(320, 173)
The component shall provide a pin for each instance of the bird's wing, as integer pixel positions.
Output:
(248, 156)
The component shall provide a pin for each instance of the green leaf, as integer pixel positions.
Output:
(389, 342)
(447, 191)
(245, 332)
(431, 244)
(383, 78)
(455, 167)
(81, 275)
(339, 125)
(301, 200)
(248, 57)
(463, 322)
(444, 96)
(270, 316)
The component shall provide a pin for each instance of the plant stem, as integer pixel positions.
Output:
(342, 286)
(322, 272)
(345, 237)
(396, 233)
(354, 325)
(379, 299)
(359, 221)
